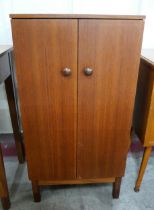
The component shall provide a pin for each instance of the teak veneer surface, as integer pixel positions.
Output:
(76, 16)
(77, 127)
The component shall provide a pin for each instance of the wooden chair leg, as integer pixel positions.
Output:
(36, 191)
(5, 203)
(14, 119)
(4, 194)
(145, 159)
(116, 187)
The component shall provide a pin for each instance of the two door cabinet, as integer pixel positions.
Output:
(77, 78)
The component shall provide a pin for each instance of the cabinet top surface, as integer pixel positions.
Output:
(75, 16)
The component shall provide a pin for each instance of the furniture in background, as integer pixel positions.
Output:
(143, 122)
(77, 77)
(6, 76)
(4, 193)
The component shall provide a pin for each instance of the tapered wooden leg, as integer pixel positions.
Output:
(4, 194)
(116, 187)
(145, 159)
(14, 119)
(5, 203)
(36, 191)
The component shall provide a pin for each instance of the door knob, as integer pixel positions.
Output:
(67, 72)
(88, 71)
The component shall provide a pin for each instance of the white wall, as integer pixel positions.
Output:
(106, 6)
(145, 7)
(135, 7)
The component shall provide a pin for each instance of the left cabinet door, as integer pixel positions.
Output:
(48, 99)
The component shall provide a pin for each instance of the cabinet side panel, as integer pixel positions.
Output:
(143, 103)
(149, 134)
(43, 48)
(106, 98)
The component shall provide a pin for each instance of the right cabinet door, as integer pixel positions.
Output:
(111, 48)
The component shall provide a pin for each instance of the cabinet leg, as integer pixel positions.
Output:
(145, 159)
(116, 187)
(36, 191)
(4, 194)
(5, 203)
(14, 118)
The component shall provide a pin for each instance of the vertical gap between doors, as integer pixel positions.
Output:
(77, 98)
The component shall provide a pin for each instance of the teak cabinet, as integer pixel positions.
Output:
(77, 78)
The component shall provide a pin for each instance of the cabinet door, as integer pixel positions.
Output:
(111, 48)
(43, 48)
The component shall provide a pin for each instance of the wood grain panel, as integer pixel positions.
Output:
(77, 181)
(48, 99)
(149, 134)
(106, 98)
